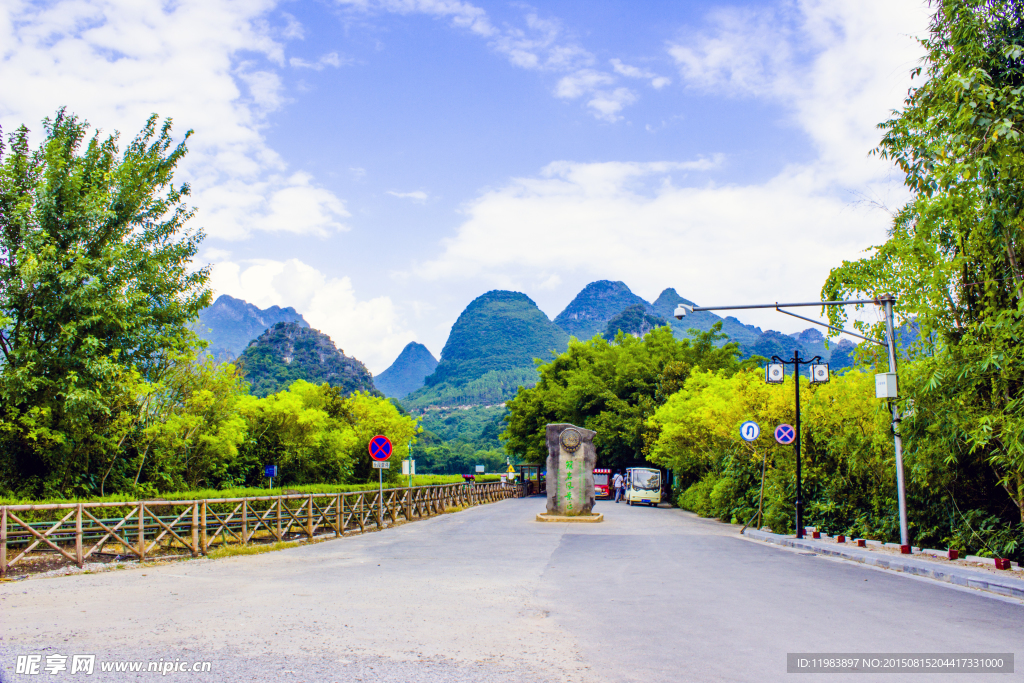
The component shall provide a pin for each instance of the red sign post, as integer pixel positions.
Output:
(380, 450)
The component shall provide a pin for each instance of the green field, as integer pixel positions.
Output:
(204, 494)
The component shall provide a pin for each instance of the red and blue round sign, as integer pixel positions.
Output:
(380, 448)
(785, 434)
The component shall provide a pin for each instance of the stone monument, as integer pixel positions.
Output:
(570, 474)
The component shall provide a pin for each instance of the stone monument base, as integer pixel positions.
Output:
(590, 518)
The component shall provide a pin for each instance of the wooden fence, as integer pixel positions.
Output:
(147, 529)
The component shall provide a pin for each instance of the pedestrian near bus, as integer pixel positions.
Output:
(617, 483)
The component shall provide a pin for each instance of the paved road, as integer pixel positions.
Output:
(489, 595)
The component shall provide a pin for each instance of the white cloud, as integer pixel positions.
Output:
(604, 103)
(329, 59)
(580, 83)
(265, 89)
(745, 52)
(366, 329)
(214, 254)
(539, 44)
(661, 225)
(839, 68)
(115, 62)
(609, 104)
(657, 82)
(233, 208)
(462, 14)
(417, 196)
(293, 30)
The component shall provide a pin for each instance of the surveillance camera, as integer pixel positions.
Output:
(682, 310)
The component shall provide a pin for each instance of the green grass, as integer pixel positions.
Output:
(234, 550)
(243, 492)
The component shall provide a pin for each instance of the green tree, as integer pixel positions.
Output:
(612, 388)
(97, 277)
(848, 473)
(190, 426)
(953, 253)
(305, 430)
(316, 434)
(370, 416)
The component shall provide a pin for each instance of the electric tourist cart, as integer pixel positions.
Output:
(643, 485)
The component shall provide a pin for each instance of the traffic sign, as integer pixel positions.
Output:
(750, 430)
(785, 434)
(380, 448)
(381, 465)
(270, 471)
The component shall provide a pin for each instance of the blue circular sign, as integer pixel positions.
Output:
(749, 430)
(380, 448)
(785, 434)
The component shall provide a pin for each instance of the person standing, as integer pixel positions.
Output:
(617, 483)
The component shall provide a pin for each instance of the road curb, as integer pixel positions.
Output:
(959, 576)
(585, 519)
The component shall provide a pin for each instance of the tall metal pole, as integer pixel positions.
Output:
(887, 300)
(799, 491)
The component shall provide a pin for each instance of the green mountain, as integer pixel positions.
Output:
(229, 324)
(490, 352)
(665, 306)
(407, 373)
(634, 320)
(752, 340)
(287, 352)
(588, 314)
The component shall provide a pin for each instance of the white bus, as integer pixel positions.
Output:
(643, 485)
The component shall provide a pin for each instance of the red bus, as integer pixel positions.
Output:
(603, 483)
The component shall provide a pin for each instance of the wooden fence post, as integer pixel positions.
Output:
(338, 518)
(3, 542)
(309, 518)
(359, 517)
(203, 541)
(78, 537)
(142, 531)
(278, 532)
(195, 529)
(245, 522)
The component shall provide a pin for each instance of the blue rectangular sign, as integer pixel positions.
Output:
(270, 471)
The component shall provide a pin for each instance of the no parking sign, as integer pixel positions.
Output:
(380, 448)
(785, 434)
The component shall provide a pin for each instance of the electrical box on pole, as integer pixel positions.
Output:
(885, 385)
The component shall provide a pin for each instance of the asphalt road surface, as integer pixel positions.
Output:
(488, 595)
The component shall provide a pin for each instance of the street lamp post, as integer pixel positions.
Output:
(796, 362)
(885, 302)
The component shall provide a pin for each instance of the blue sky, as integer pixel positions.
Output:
(379, 163)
